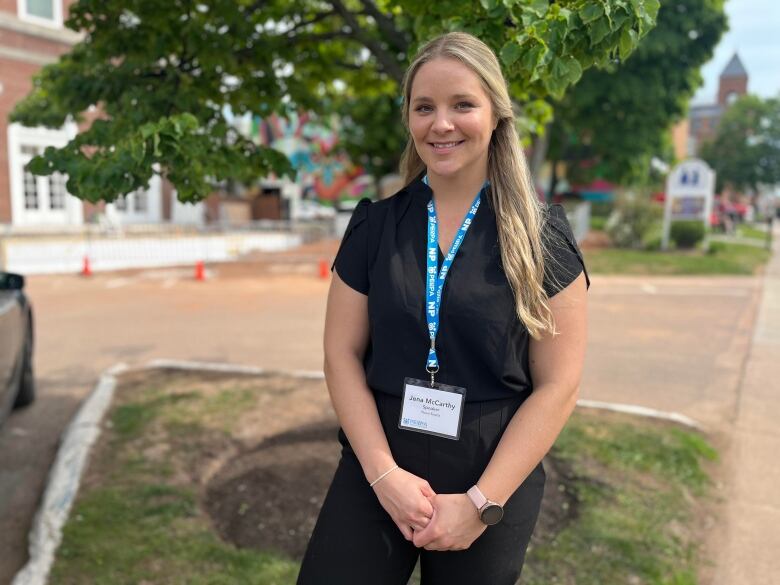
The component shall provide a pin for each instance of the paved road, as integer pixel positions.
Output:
(669, 343)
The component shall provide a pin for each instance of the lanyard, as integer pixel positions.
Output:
(436, 277)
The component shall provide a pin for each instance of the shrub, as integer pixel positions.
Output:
(601, 208)
(686, 234)
(597, 223)
(630, 221)
(652, 243)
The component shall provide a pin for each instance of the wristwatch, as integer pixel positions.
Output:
(489, 512)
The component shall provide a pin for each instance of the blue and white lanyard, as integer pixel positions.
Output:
(436, 276)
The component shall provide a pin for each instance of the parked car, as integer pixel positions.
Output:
(17, 383)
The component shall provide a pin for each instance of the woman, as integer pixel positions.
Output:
(448, 396)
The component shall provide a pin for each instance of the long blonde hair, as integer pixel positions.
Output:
(519, 213)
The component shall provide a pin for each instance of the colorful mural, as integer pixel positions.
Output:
(324, 173)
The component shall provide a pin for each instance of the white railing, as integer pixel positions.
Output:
(142, 246)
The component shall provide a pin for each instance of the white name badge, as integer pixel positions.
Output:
(436, 410)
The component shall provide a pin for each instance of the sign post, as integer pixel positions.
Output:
(689, 191)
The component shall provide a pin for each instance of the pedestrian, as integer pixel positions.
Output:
(449, 396)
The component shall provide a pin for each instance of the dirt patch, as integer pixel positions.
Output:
(262, 450)
(269, 498)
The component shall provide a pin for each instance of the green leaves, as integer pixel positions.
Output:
(161, 73)
(511, 51)
(558, 42)
(619, 117)
(628, 40)
(564, 72)
(102, 164)
(591, 11)
(532, 60)
(537, 7)
(598, 31)
(745, 151)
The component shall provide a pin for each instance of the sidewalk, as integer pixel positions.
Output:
(751, 541)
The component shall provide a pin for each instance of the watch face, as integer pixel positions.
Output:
(492, 514)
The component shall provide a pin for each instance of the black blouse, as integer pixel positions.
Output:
(481, 344)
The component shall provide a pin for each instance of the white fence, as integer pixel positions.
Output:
(579, 219)
(149, 246)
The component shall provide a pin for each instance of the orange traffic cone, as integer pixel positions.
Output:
(324, 271)
(86, 270)
(200, 271)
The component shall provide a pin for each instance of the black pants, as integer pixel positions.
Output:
(356, 542)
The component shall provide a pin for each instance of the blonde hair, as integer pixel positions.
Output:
(519, 213)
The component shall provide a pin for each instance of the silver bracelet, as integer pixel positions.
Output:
(381, 477)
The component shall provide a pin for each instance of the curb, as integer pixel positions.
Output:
(64, 479)
(65, 475)
(229, 368)
(641, 411)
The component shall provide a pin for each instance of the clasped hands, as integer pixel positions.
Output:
(431, 521)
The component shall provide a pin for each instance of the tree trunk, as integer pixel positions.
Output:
(553, 179)
(539, 154)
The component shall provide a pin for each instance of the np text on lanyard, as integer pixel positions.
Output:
(436, 276)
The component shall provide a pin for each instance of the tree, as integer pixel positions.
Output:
(745, 152)
(619, 118)
(161, 74)
(372, 133)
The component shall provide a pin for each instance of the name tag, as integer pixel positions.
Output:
(436, 410)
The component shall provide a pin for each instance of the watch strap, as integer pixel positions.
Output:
(477, 497)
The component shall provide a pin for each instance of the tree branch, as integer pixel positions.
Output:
(388, 61)
(317, 18)
(349, 66)
(317, 37)
(386, 25)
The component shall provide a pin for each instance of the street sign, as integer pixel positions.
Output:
(689, 190)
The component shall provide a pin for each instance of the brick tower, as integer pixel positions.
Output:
(733, 82)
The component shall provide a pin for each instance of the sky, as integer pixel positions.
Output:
(754, 33)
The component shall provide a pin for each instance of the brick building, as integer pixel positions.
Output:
(32, 35)
(704, 119)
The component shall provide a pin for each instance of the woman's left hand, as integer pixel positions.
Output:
(455, 524)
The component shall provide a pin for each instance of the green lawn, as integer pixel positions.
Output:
(634, 482)
(635, 487)
(597, 223)
(139, 525)
(725, 258)
(748, 231)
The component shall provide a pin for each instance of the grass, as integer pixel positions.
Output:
(748, 231)
(149, 532)
(138, 525)
(636, 484)
(633, 511)
(597, 223)
(726, 258)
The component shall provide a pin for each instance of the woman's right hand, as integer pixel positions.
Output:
(405, 497)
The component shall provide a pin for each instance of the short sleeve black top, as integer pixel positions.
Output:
(481, 344)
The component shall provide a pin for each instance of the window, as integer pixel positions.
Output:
(120, 203)
(31, 199)
(45, 12)
(39, 200)
(30, 191)
(41, 8)
(57, 191)
(141, 201)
